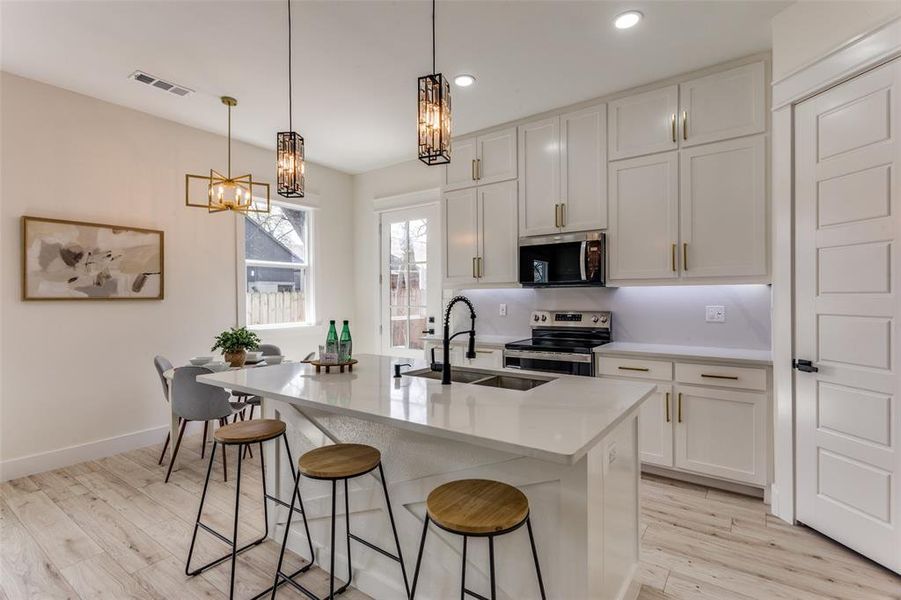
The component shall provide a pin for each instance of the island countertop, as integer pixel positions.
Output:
(558, 421)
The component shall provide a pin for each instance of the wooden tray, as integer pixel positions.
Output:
(341, 366)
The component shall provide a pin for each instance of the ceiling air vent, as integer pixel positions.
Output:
(146, 78)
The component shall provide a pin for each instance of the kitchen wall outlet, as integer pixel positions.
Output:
(716, 314)
(502, 310)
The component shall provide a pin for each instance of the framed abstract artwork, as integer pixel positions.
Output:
(73, 260)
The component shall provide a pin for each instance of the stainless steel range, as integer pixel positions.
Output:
(561, 342)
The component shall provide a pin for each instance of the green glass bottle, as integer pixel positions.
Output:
(331, 340)
(345, 344)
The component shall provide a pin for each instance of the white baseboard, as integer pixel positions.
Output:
(64, 457)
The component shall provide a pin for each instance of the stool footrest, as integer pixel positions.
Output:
(289, 579)
(281, 502)
(212, 531)
(474, 594)
(283, 580)
(369, 544)
(228, 556)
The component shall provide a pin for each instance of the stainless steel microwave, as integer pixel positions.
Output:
(564, 260)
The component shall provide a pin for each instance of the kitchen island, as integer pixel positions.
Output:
(570, 444)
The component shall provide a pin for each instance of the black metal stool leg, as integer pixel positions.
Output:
(281, 554)
(425, 530)
(303, 511)
(491, 566)
(206, 484)
(265, 494)
(463, 574)
(331, 585)
(350, 571)
(403, 568)
(231, 587)
(535, 556)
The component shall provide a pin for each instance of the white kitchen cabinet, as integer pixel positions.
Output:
(643, 123)
(539, 181)
(482, 160)
(655, 428)
(461, 236)
(723, 105)
(723, 221)
(498, 255)
(563, 174)
(643, 233)
(486, 357)
(721, 433)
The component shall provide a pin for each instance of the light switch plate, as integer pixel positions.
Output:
(502, 311)
(716, 314)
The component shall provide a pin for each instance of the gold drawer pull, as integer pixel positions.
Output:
(484, 351)
(666, 405)
(679, 408)
(730, 377)
(642, 369)
(673, 257)
(674, 127)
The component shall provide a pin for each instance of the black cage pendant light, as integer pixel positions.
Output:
(434, 125)
(289, 144)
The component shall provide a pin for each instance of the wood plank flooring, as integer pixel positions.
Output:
(112, 529)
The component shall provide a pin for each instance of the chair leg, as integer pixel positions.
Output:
(224, 462)
(535, 556)
(491, 566)
(400, 555)
(425, 530)
(206, 426)
(463, 574)
(206, 483)
(231, 587)
(165, 445)
(181, 432)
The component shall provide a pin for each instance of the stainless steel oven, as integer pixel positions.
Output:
(562, 342)
(565, 260)
(565, 363)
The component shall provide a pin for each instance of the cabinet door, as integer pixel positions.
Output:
(461, 172)
(642, 236)
(496, 156)
(498, 240)
(461, 240)
(486, 358)
(655, 428)
(723, 105)
(539, 169)
(721, 433)
(643, 123)
(723, 220)
(583, 169)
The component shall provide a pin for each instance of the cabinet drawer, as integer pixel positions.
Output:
(486, 358)
(635, 367)
(723, 376)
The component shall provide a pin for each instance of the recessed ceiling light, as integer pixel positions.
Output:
(464, 80)
(628, 19)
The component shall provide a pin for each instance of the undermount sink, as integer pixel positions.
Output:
(484, 378)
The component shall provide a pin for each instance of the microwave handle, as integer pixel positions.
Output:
(583, 250)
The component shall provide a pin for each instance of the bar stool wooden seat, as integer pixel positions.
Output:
(242, 434)
(340, 462)
(477, 508)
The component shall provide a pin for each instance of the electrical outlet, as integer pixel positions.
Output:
(716, 314)
(502, 310)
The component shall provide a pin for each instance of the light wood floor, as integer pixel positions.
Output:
(112, 529)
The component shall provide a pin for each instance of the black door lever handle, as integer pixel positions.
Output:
(804, 366)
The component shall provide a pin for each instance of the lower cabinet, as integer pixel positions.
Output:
(486, 357)
(701, 429)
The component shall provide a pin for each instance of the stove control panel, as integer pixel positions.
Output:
(594, 320)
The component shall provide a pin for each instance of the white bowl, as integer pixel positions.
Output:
(254, 356)
(198, 361)
(274, 360)
(216, 365)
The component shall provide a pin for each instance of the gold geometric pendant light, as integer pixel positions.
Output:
(225, 192)
(434, 122)
(289, 146)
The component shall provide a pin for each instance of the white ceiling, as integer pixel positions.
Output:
(356, 62)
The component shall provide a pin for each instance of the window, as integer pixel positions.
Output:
(277, 265)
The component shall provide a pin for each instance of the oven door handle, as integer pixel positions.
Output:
(583, 252)
(571, 357)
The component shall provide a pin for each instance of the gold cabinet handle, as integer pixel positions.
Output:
(674, 127)
(673, 256)
(474, 276)
(684, 125)
(563, 214)
(481, 272)
(642, 369)
(484, 351)
(473, 170)
(684, 256)
(556, 215)
(666, 407)
(679, 408)
(479, 168)
(729, 377)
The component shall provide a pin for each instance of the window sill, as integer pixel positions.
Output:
(278, 326)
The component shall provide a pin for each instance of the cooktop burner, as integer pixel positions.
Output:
(568, 331)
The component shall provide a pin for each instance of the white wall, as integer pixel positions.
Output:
(403, 178)
(78, 372)
(806, 31)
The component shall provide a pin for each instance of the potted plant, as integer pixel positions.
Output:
(235, 343)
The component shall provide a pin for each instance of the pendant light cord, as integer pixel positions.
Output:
(433, 37)
(229, 141)
(290, 85)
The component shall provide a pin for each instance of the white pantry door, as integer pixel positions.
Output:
(410, 278)
(847, 273)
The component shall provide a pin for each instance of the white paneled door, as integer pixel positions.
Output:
(847, 156)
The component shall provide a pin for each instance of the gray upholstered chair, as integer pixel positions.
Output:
(270, 350)
(193, 401)
(162, 364)
(254, 401)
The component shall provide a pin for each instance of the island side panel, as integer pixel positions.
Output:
(568, 506)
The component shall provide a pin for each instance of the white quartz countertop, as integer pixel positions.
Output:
(760, 357)
(485, 341)
(558, 421)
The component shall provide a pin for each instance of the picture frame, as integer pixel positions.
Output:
(81, 260)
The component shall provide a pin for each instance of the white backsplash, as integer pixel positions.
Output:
(655, 314)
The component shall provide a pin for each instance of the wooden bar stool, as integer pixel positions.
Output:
(242, 434)
(477, 508)
(336, 463)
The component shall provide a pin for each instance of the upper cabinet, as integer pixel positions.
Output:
(708, 109)
(563, 174)
(481, 160)
(644, 123)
